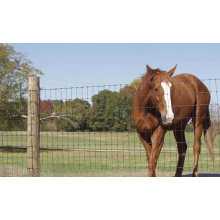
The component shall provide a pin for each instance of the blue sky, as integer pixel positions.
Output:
(67, 65)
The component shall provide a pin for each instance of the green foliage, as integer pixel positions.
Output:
(118, 112)
(73, 114)
(136, 83)
(97, 114)
(11, 115)
(14, 71)
(111, 110)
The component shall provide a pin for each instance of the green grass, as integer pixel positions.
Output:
(97, 154)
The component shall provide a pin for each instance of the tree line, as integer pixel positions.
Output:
(109, 111)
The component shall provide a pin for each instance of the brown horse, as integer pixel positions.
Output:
(162, 103)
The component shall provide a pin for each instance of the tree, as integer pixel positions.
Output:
(11, 114)
(14, 72)
(136, 83)
(97, 115)
(118, 112)
(111, 111)
(46, 108)
(130, 90)
(72, 114)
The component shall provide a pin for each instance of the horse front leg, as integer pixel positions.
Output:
(145, 138)
(157, 143)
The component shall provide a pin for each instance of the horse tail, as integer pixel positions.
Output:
(208, 135)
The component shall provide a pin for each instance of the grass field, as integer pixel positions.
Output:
(97, 154)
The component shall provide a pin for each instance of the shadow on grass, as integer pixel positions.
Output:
(204, 175)
(22, 149)
(16, 149)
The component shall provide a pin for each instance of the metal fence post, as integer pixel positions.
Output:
(33, 127)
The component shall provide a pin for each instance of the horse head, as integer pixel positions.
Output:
(160, 89)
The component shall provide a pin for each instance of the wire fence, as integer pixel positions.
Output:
(88, 131)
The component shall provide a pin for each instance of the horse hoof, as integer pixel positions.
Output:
(195, 174)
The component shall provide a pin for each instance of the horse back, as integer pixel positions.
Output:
(191, 85)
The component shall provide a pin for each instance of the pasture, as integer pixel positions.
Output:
(98, 154)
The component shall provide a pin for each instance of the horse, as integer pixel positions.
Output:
(164, 102)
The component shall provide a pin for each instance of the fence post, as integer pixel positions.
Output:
(33, 127)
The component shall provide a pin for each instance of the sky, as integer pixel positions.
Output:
(70, 65)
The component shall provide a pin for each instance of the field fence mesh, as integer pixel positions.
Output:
(88, 131)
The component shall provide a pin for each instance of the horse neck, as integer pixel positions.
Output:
(144, 99)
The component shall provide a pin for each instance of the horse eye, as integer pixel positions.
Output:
(156, 89)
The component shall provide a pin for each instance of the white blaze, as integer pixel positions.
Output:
(166, 87)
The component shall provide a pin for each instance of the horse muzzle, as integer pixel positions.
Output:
(167, 119)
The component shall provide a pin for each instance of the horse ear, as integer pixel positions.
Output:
(171, 72)
(149, 70)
